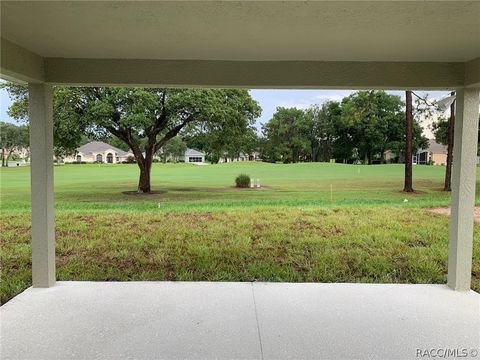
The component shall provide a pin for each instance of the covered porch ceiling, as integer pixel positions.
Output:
(324, 44)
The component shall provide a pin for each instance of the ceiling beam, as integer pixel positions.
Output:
(255, 74)
(19, 64)
(472, 73)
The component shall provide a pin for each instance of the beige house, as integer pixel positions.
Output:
(435, 154)
(100, 152)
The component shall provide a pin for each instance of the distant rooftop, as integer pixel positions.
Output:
(99, 146)
(436, 148)
(193, 152)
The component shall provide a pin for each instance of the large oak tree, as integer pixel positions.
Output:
(145, 119)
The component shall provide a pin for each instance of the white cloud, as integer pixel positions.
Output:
(302, 105)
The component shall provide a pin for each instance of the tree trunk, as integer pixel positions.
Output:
(408, 187)
(144, 181)
(8, 157)
(3, 157)
(315, 152)
(450, 143)
(328, 152)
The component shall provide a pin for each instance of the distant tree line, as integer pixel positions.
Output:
(360, 128)
(12, 137)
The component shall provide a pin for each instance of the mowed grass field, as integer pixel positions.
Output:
(308, 222)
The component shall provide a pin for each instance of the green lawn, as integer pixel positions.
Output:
(185, 187)
(309, 222)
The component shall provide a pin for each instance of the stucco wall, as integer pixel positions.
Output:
(439, 159)
(91, 157)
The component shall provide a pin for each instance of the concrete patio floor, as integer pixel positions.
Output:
(213, 320)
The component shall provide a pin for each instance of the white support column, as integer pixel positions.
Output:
(40, 113)
(463, 189)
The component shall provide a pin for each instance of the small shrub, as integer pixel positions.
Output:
(242, 181)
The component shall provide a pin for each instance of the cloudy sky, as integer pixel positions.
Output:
(270, 99)
(4, 104)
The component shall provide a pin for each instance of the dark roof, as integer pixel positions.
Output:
(99, 146)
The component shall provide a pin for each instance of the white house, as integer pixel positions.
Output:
(100, 152)
(193, 156)
(190, 156)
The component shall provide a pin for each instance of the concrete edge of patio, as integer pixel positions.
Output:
(78, 320)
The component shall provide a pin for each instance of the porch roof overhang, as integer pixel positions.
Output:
(360, 44)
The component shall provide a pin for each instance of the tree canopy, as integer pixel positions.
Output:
(286, 133)
(173, 150)
(226, 138)
(361, 128)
